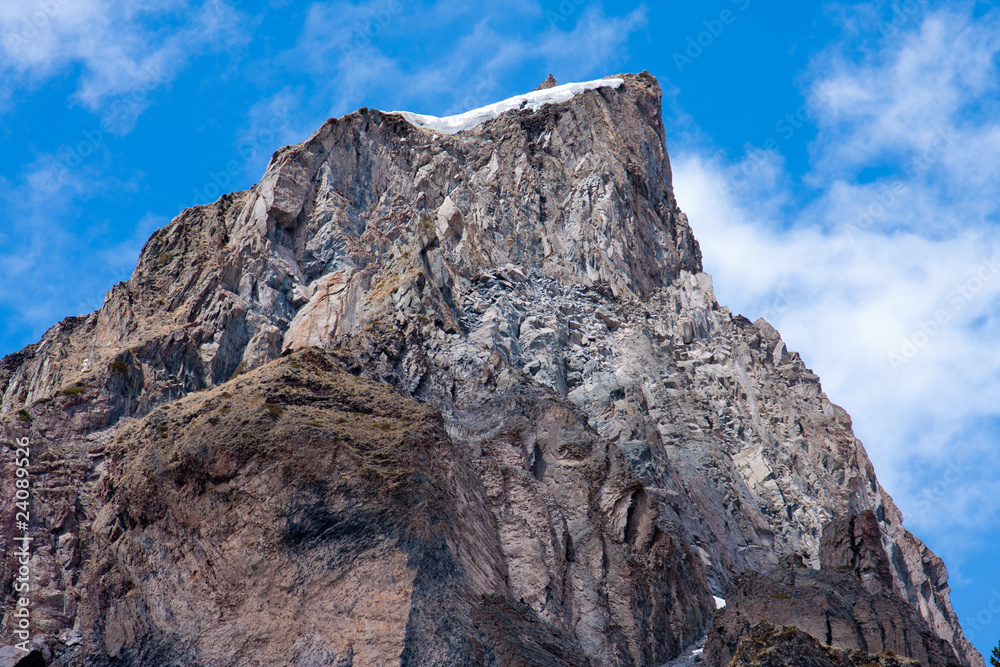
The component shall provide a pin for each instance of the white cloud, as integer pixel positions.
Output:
(899, 103)
(855, 278)
(51, 267)
(124, 50)
(54, 259)
(345, 41)
(594, 41)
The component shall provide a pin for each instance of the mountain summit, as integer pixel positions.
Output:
(449, 392)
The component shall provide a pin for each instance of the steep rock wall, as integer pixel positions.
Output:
(531, 279)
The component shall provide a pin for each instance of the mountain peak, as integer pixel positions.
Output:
(583, 445)
(534, 100)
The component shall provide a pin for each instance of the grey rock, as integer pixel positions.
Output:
(534, 282)
(849, 604)
(550, 82)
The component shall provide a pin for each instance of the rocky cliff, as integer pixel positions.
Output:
(428, 398)
(849, 603)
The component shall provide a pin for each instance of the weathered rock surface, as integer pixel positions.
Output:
(631, 444)
(299, 515)
(768, 646)
(850, 603)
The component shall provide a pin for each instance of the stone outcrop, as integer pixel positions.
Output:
(299, 515)
(625, 446)
(767, 646)
(550, 82)
(850, 603)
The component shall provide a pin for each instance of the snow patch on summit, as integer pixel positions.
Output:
(533, 100)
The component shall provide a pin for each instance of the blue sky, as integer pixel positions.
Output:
(840, 164)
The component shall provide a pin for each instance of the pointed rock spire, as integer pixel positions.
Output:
(550, 82)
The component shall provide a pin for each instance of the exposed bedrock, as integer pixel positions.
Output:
(580, 444)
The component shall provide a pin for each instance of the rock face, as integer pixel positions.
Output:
(612, 446)
(300, 515)
(850, 603)
(767, 646)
